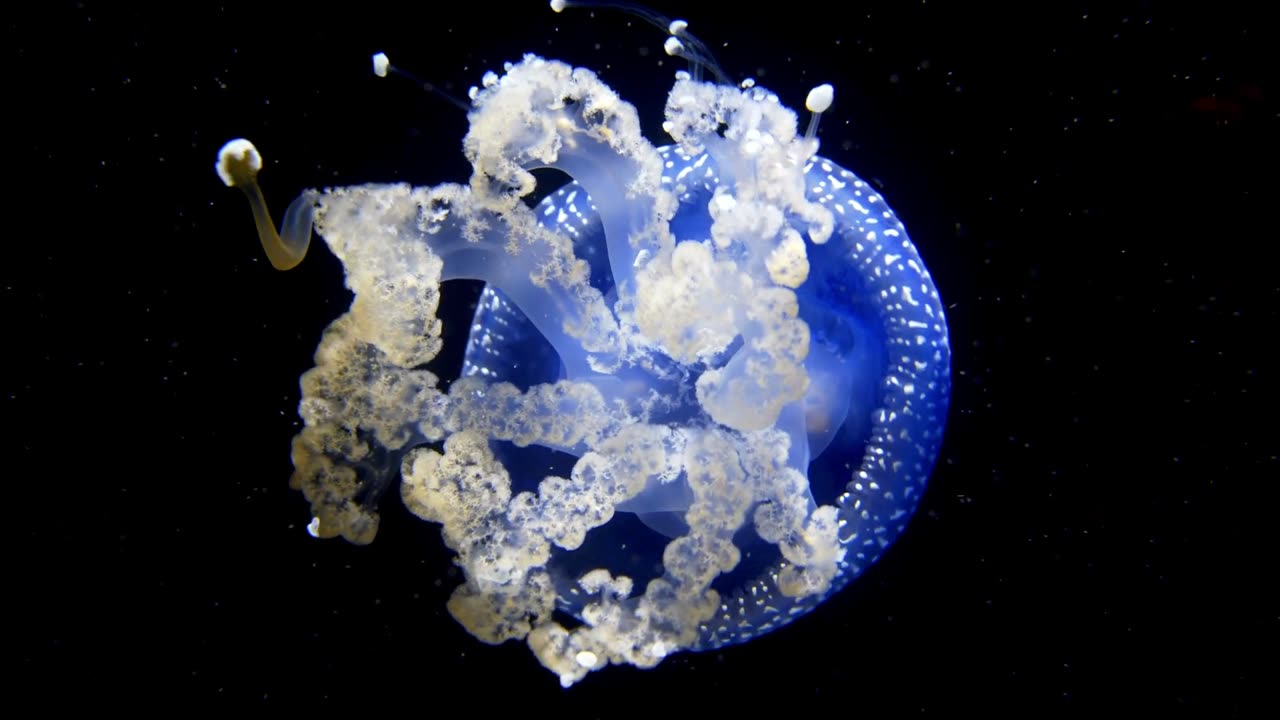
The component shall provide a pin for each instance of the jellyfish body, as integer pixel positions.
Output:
(703, 390)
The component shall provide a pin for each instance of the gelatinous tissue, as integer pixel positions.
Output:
(704, 386)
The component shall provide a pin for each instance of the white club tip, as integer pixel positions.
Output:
(559, 5)
(677, 27)
(674, 47)
(238, 161)
(819, 99)
(380, 64)
(313, 527)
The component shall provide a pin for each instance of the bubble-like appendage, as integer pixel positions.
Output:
(704, 387)
(238, 165)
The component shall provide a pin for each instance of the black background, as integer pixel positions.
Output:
(1092, 186)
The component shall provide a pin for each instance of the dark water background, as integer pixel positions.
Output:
(1092, 186)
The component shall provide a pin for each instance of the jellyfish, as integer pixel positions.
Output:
(703, 388)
